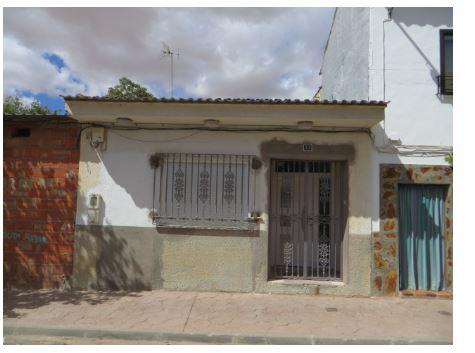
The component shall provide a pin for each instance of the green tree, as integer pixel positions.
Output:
(15, 106)
(127, 89)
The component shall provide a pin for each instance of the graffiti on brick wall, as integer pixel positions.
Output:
(37, 239)
(41, 175)
(32, 238)
(11, 236)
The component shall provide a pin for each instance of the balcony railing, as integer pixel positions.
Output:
(445, 83)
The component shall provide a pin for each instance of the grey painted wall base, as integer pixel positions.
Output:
(112, 257)
(135, 258)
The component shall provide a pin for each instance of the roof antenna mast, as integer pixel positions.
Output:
(168, 52)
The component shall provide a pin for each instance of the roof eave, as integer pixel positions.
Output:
(251, 101)
(185, 112)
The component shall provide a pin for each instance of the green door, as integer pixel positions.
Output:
(421, 237)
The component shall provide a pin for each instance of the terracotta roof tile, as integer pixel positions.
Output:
(229, 101)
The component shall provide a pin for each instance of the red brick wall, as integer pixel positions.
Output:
(39, 204)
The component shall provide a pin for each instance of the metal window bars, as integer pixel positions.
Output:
(205, 190)
(445, 85)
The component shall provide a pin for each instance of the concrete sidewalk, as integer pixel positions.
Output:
(164, 316)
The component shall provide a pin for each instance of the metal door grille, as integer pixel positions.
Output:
(306, 219)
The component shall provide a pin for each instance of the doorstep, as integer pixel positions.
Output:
(425, 293)
(296, 286)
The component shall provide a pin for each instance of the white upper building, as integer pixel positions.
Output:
(402, 56)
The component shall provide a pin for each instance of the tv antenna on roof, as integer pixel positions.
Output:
(168, 52)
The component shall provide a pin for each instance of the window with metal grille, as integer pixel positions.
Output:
(446, 62)
(205, 190)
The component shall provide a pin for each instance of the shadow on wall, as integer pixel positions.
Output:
(421, 17)
(106, 260)
(435, 17)
(15, 300)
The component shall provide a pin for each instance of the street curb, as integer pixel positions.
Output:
(204, 338)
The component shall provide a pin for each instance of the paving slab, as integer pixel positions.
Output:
(227, 318)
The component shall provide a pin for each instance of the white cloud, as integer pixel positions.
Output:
(26, 70)
(224, 52)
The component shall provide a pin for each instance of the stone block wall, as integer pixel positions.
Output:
(40, 173)
(385, 279)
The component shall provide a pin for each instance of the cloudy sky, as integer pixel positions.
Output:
(224, 52)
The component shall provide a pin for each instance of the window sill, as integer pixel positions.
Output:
(207, 231)
(307, 282)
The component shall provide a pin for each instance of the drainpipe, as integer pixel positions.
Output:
(389, 19)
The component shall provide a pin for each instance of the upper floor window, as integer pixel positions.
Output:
(446, 62)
